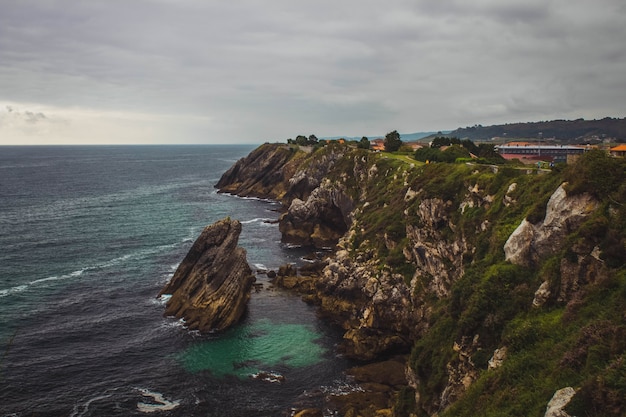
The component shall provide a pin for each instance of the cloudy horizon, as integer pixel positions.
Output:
(191, 71)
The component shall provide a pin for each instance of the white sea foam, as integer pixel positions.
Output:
(85, 406)
(160, 403)
(259, 266)
(268, 376)
(262, 220)
(340, 388)
(164, 297)
(8, 291)
(172, 324)
(292, 246)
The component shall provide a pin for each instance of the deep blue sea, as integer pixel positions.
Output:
(88, 236)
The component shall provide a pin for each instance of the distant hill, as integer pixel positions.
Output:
(564, 131)
(413, 137)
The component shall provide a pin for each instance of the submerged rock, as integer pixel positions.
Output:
(211, 287)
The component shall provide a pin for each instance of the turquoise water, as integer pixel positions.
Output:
(263, 346)
(88, 237)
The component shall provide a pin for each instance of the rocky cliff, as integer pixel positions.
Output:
(211, 287)
(456, 263)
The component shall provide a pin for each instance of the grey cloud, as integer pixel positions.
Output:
(421, 64)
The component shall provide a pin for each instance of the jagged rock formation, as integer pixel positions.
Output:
(211, 287)
(320, 220)
(264, 173)
(318, 213)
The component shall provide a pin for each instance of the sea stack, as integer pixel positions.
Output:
(211, 287)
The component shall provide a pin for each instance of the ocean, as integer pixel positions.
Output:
(88, 237)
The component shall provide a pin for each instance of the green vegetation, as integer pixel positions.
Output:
(304, 141)
(579, 342)
(598, 174)
(392, 141)
(457, 150)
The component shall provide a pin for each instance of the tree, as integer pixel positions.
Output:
(313, 140)
(364, 143)
(440, 141)
(392, 141)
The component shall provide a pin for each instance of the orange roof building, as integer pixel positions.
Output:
(618, 151)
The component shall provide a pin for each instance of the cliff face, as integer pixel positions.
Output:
(211, 287)
(439, 260)
(317, 212)
(264, 173)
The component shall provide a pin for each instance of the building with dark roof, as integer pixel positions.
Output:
(533, 152)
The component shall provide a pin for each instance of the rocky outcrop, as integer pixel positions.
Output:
(559, 400)
(531, 243)
(318, 212)
(498, 358)
(320, 220)
(373, 308)
(211, 287)
(438, 260)
(264, 173)
(461, 372)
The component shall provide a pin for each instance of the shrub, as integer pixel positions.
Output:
(595, 173)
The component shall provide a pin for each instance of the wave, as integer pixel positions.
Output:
(140, 254)
(85, 406)
(263, 220)
(158, 401)
(159, 404)
(267, 200)
(163, 298)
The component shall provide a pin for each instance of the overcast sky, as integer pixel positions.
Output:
(250, 71)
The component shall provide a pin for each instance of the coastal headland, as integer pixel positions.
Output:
(494, 286)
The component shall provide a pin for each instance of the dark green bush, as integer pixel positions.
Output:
(595, 173)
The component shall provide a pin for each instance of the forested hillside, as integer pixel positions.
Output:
(565, 131)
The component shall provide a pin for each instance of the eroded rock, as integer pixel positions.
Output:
(559, 400)
(211, 287)
(530, 243)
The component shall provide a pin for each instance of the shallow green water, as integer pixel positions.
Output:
(260, 346)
